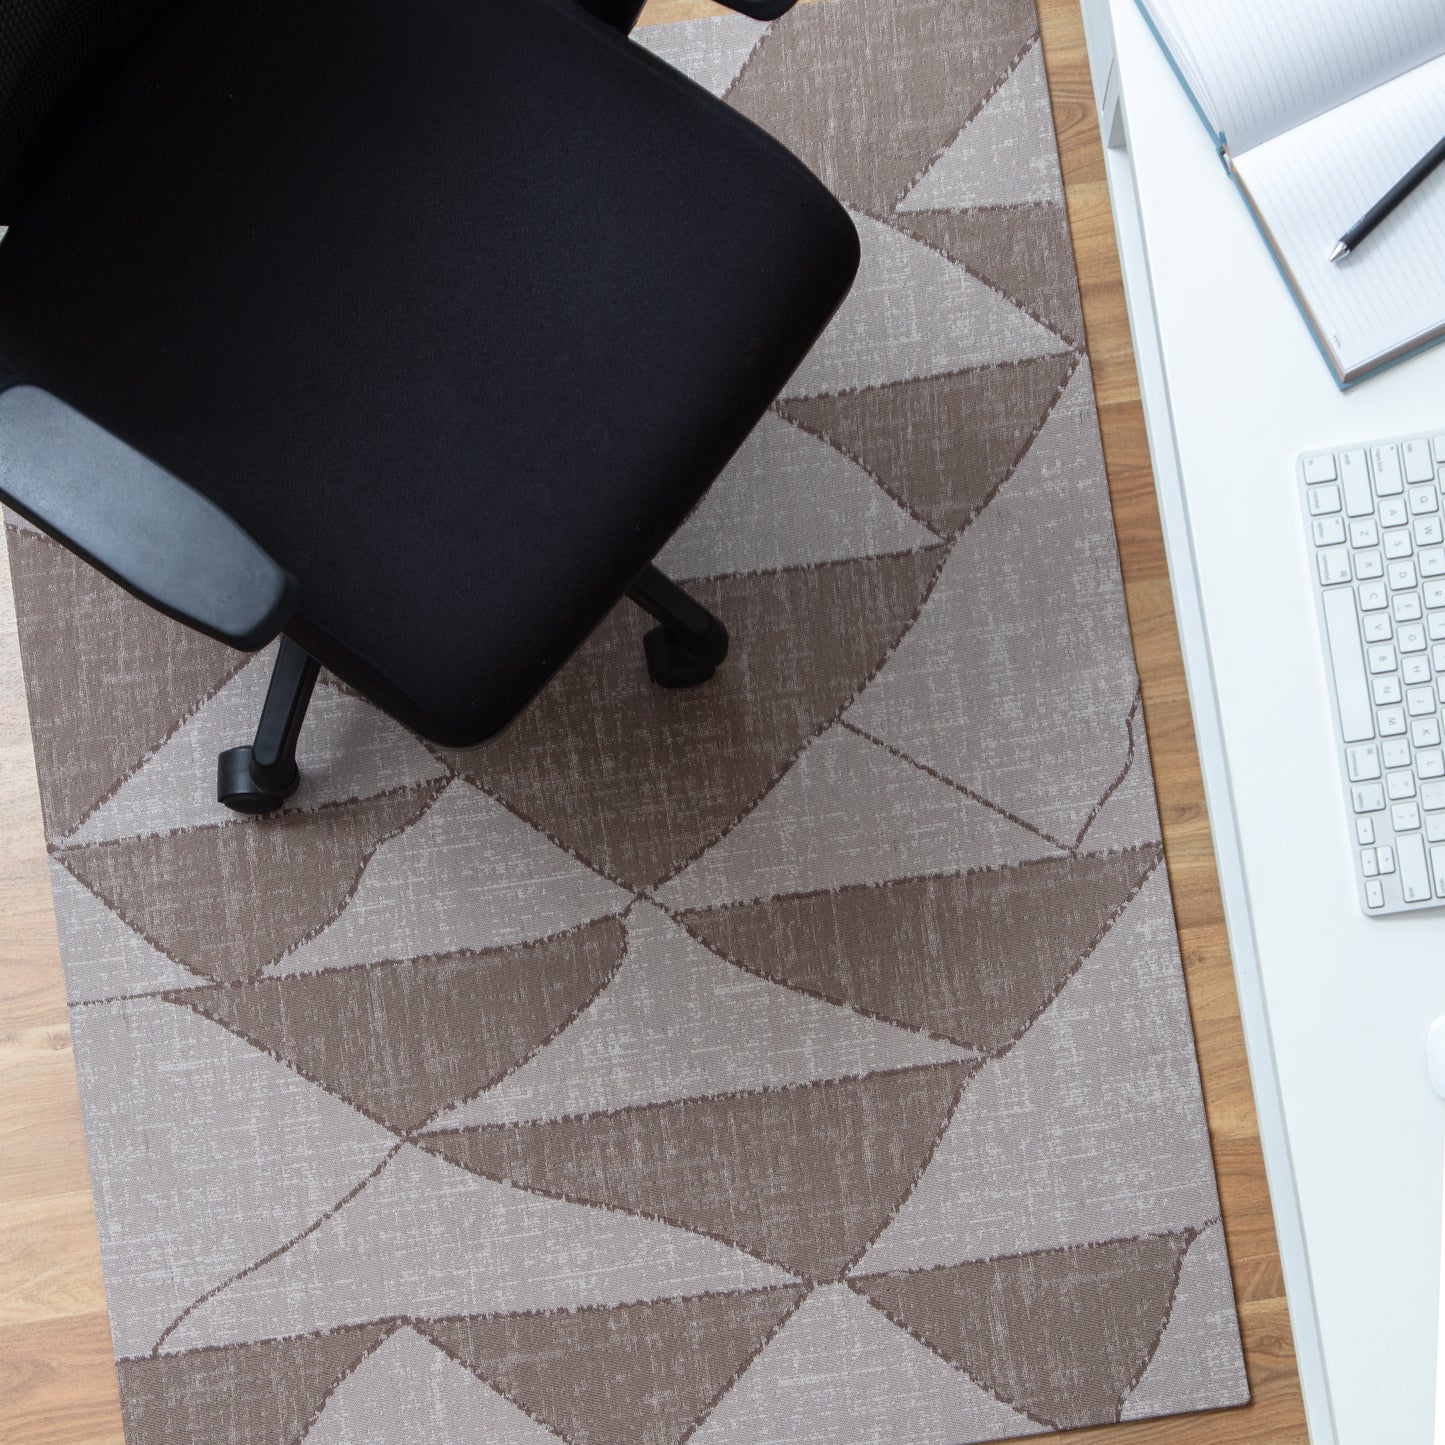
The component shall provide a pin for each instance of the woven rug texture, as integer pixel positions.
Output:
(804, 1059)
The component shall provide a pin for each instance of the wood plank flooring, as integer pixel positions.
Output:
(57, 1382)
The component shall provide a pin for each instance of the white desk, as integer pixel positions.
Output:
(1336, 1006)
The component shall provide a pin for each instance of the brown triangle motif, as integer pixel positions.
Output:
(228, 899)
(1025, 251)
(1062, 1335)
(941, 445)
(639, 1374)
(404, 1040)
(262, 1394)
(108, 677)
(867, 136)
(973, 959)
(638, 779)
(803, 1177)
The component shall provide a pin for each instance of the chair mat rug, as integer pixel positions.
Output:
(802, 1059)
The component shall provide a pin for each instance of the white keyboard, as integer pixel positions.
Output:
(1377, 534)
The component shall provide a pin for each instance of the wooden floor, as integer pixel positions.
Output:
(57, 1383)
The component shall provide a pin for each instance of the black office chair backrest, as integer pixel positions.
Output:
(52, 54)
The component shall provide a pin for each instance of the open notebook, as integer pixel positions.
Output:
(1319, 107)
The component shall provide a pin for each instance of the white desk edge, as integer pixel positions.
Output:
(1200, 673)
(1194, 644)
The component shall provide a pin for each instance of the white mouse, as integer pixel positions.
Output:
(1435, 1055)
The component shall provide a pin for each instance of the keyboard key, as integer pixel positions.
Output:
(1374, 894)
(1437, 656)
(1437, 870)
(1400, 785)
(1321, 468)
(1334, 564)
(1330, 530)
(1436, 626)
(1363, 763)
(1391, 721)
(1434, 827)
(1373, 596)
(1382, 656)
(1396, 753)
(1406, 606)
(1416, 670)
(1432, 562)
(1343, 631)
(1387, 690)
(1414, 877)
(1366, 532)
(1415, 453)
(1368, 565)
(1397, 544)
(1365, 829)
(1432, 798)
(1370, 798)
(1385, 466)
(1394, 513)
(1398, 574)
(1420, 701)
(1440, 449)
(1359, 500)
(1435, 594)
(1425, 732)
(1324, 500)
(1430, 764)
(1369, 862)
(1385, 858)
(1423, 499)
(1410, 637)
(1405, 816)
(1378, 628)
(1428, 531)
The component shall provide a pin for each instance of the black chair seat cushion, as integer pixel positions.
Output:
(457, 306)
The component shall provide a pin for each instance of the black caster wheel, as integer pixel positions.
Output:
(670, 664)
(238, 789)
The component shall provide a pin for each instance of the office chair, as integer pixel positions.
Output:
(407, 332)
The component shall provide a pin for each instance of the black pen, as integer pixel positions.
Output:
(1389, 201)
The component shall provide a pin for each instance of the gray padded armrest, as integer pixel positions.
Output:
(134, 521)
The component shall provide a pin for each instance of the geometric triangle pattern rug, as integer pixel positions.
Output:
(803, 1059)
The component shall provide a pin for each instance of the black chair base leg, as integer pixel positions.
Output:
(259, 778)
(689, 644)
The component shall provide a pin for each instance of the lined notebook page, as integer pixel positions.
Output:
(1312, 183)
(1262, 66)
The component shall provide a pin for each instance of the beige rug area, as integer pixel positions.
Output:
(802, 1059)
